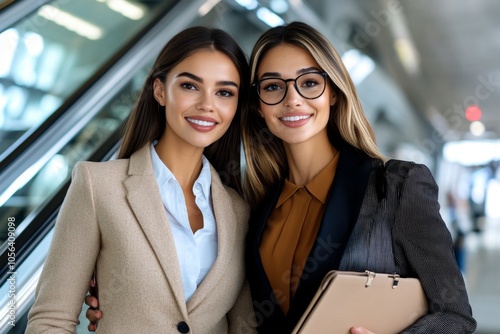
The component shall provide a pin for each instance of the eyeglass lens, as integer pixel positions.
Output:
(309, 85)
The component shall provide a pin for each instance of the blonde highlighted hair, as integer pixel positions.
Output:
(266, 162)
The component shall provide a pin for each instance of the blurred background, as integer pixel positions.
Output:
(427, 73)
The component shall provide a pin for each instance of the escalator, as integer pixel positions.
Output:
(64, 98)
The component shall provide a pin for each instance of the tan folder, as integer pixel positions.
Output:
(382, 303)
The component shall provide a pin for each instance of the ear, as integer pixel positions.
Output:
(261, 114)
(333, 99)
(159, 91)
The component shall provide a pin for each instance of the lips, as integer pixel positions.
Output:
(294, 118)
(294, 121)
(202, 124)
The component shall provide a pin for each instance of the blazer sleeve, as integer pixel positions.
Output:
(68, 269)
(423, 247)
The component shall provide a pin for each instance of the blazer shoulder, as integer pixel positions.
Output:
(101, 174)
(404, 169)
(107, 168)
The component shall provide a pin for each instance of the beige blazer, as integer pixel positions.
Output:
(113, 219)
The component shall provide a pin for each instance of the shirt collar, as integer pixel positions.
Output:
(205, 177)
(163, 175)
(318, 187)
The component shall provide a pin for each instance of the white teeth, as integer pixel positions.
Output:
(200, 122)
(294, 118)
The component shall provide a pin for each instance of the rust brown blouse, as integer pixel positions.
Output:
(291, 231)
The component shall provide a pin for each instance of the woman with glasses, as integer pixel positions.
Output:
(324, 199)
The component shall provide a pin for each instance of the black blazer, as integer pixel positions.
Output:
(367, 201)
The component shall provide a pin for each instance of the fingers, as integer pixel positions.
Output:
(91, 301)
(91, 327)
(93, 315)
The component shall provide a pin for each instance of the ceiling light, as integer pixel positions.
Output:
(358, 65)
(34, 43)
(470, 153)
(248, 4)
(473, 113)
(8, 43)
(407, 55)
(207, 7)
(127, 9)
(279, 6)
(70, 22)
(477, 128)
(269, 18)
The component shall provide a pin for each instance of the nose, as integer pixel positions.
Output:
(205, 102)
(292, 98)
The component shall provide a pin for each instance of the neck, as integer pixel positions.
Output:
(184, 161)
(307, 159)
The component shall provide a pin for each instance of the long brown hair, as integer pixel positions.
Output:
(265, 153)
(147, 121)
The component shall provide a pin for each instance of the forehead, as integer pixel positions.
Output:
(209, 63)
(286, 59)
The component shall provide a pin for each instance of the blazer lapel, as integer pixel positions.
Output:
(262, 291)
(145, 200)
(226, 235)
(340, 215)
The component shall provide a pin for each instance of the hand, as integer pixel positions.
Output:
(93, 314)
(360, 330)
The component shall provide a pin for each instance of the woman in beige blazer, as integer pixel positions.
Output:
(123, 220)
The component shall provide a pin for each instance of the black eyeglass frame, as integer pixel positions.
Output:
(286, 81)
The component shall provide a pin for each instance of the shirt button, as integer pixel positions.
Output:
(182, 327)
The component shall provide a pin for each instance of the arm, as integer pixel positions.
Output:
(70, 262)
(423, 247)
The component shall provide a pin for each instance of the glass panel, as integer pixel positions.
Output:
(38, 188)
(41, 68)
(48, 55)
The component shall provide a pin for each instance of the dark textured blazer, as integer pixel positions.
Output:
(368, 201)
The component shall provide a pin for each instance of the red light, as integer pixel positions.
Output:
(473, 113)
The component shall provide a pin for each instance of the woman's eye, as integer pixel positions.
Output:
(272, 87)
(188, 86)
(310, 83)
(225, 93)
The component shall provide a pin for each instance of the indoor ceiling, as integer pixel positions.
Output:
(444, 54)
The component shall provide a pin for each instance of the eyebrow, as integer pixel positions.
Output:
(301, 71)
(200, 80)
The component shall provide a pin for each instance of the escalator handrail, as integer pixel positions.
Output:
(17, 10)
(40, 222)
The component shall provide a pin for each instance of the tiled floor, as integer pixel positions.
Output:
(482, 274)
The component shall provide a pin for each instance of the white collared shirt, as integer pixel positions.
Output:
(196, 252)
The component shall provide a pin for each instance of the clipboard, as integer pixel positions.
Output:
(382, 303)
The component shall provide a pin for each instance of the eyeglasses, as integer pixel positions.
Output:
(309, 85)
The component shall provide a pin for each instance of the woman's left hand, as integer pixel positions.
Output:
(360, 330)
